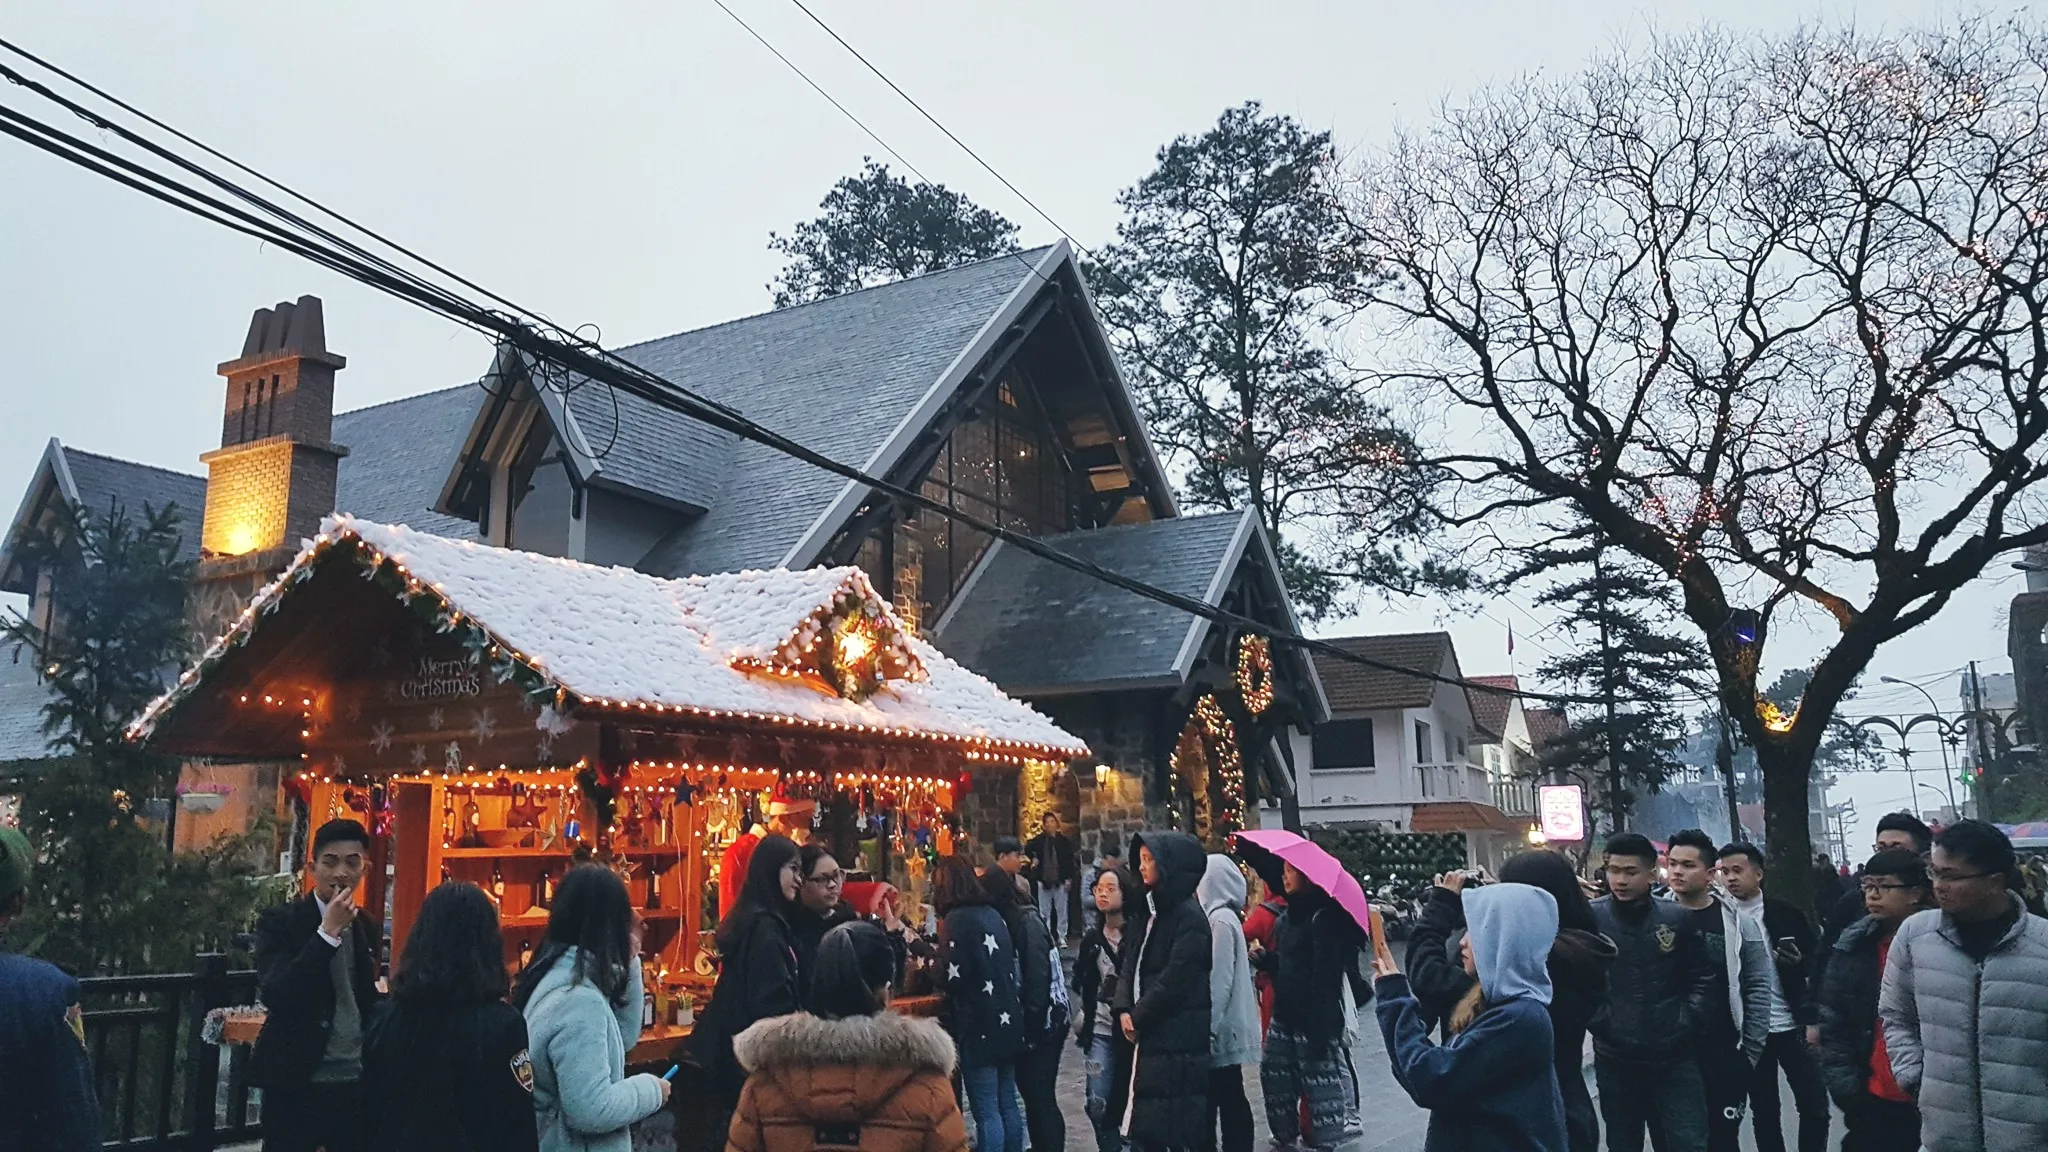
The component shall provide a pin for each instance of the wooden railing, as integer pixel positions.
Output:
(161, 1084)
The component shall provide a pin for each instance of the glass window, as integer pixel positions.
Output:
(1422, 753)
(1344, 744)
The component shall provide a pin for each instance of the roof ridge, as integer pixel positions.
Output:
(1020, 254)
(404, 399)
(71, 451)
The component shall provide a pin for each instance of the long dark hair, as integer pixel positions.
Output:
(455, 954)
(956, 886)
(593, 915)
(854, 965)
(1553, 873)
(762, 893)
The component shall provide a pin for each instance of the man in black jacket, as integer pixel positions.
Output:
(317, 967)
(1896, 831)
(1878, 1115)
(1053, 869)
(1793, 944)
(1660, 989)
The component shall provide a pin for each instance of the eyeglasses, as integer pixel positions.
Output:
(1870, 888)
(1959, 877)
(828, 879)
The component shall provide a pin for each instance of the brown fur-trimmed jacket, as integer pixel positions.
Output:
(878, 1083)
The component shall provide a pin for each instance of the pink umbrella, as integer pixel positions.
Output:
(1316, 866)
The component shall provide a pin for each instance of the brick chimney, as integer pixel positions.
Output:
(272, 479)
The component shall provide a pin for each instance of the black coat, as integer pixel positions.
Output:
(758, 980)
(457, 1079)
(1847, 1007)
(1164, 986)
(1435, 978)
(1660, 987)
(1058, 848)
(982, 982)
(1042, 986)
(297, 989)
(1317, 948)
(806, 931)
(1796, 951)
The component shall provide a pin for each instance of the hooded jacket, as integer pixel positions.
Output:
(880, 1083)
(1970, 1041)
(582, 1098)
(1493, 1086)
(1164, 986)
(1318, 946)
(1233, 1005)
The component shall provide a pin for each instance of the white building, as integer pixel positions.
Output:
(1406, 752)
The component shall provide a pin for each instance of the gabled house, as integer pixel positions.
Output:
(1401, 751)
(990, 386)
(1507, 750)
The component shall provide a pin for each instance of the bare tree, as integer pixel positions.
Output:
(1767, 315)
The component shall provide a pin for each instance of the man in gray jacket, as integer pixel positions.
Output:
(1965, 1002)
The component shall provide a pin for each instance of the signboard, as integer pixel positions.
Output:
(1563, 809)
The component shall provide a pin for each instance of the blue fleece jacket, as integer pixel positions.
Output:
(1493, 1086)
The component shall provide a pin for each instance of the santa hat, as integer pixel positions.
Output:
(784, 806)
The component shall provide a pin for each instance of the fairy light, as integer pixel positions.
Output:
(1255, 673)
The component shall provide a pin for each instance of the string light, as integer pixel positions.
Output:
(1255, 673)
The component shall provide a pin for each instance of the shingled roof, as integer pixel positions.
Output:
(1490, 709)
(1038, 629)
(1359, 688)
(855, 376)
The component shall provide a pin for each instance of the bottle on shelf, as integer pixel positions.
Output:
(447, 818)
(472, 823)
(497, 884)
(661, 1012)
(446, 875)
(653, 885)
(544, 890)
(646, 996)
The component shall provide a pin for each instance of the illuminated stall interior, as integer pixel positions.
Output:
(498, 716)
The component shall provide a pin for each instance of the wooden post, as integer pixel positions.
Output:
(202, 1060)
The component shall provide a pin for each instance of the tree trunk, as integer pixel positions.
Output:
(1788, 857)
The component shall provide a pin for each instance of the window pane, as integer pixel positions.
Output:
(1344, 744)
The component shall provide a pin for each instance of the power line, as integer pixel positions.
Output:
(574, 353)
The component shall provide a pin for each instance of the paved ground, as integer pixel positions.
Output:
(1392, 1122)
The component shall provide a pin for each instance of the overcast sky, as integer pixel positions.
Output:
(621, 164)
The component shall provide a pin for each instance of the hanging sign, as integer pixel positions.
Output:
(1563, 810)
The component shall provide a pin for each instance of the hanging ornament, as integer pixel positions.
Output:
(1255, 673)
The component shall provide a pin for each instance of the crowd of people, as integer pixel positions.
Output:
(1920, 1012)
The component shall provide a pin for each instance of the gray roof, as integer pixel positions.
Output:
(22, 696)
(845, 376)
(104, 482)
(1036, 628)
(398, 456)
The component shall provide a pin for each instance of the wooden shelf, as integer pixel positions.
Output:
(538, 918)
(547, 853)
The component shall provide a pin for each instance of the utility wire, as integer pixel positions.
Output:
(569, 351)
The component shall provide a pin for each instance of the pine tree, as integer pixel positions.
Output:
(875, 228)
(109, 895)
(1629, 649)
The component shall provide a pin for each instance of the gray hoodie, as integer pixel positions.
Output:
(1511, 927)
(1233, 1005)
(582, 1098)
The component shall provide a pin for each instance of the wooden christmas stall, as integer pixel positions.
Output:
(497, 717)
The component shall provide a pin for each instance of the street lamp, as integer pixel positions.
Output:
(1948, 773)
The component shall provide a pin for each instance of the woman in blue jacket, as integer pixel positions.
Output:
(1492, 1086)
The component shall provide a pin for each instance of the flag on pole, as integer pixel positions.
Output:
(1511, 637)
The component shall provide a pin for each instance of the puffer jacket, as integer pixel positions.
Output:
(1165, 988)
(982, 981)
(1660, 986)
(582, 1098)
(879, 1083)
(1969, 1040)
(1848, 1011)
(1233, 1005)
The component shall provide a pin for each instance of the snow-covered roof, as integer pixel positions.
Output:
(621, 639)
